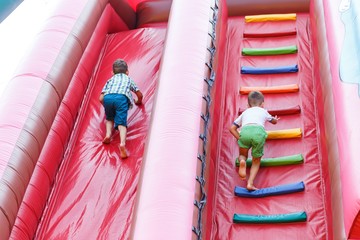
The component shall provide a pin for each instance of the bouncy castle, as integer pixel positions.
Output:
(195, 62)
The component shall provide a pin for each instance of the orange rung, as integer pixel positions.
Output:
(274, 89)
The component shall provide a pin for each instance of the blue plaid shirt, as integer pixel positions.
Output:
(121, 84)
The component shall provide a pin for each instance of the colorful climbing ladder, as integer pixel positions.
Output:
(250, 52)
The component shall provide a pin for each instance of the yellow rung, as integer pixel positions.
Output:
(270, 17)
(284, 134)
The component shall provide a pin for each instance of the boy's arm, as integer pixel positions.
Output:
(233, 130)
(139, 97)
(274, 120)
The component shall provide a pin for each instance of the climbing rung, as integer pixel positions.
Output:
(270, 191)
(270, 17)
(277, 218)
(269, 70)
(291, 88)
(269, 51)
(279, 112)
(264, 34)
(284, 134)
(278, 161)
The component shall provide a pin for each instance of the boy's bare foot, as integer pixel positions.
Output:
(123, 153)
(106, 140)
(242, 170)
(251, 187)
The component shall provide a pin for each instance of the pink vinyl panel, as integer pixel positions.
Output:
(341, 21)
(166, 195)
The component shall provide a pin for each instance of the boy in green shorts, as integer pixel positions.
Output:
(252, 135)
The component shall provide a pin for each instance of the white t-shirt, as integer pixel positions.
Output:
(253, 115)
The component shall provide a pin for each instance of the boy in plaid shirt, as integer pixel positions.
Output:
(117, 100)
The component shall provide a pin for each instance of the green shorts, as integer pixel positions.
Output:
(253, 136)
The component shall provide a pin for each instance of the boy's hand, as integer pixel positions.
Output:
(137, 102)
(139, 98)
(274, 120)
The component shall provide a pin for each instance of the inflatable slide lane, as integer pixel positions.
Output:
(195, 63)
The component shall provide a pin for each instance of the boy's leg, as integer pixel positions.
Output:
(109, 124)
(110, 114)
(242, 159)
(258, 141)
(123, 131)
(122, 107)
(255, 165)
(244, 146)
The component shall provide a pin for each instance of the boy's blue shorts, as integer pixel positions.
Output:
(116, 109)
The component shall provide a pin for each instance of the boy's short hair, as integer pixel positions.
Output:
(120, 66)
(255, 98)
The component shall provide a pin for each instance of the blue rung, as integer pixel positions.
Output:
(271, 191)
(283, 69)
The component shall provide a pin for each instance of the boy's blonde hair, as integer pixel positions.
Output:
(255, 98)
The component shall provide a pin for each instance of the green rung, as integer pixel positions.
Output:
(277, 218)
(279, 161)
(269, 51)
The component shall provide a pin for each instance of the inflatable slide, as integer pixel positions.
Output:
(195, 62)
